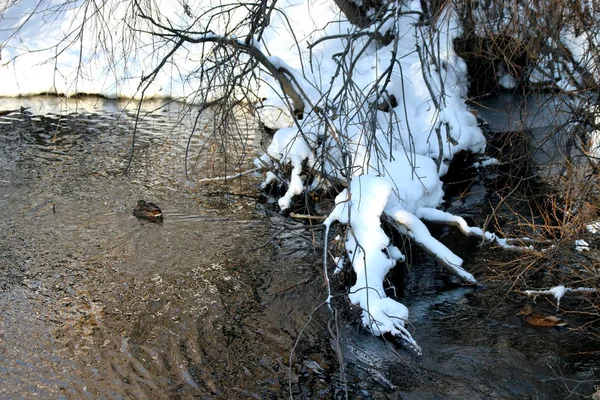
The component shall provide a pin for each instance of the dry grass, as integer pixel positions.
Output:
(555, 221)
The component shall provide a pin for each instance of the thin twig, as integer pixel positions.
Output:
(225, 178)
(306, 281)
(305, 216)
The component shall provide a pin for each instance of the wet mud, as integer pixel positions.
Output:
(95, 303)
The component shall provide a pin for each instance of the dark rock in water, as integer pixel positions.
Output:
(149, 211)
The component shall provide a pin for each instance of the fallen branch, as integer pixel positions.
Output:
(286, 228)
(558, 292)
(7, 112)
(305, 216)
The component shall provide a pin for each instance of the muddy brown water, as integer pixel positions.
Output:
(95, 303)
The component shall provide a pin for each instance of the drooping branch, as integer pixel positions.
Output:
(279, 72)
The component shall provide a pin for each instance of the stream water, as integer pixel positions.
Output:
(95, 303)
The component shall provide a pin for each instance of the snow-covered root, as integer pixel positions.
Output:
(383, 317)
(443, 217)
(288, 146)
(417, 230)
(372, 255)
(559, 292)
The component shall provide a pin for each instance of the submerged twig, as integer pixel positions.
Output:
(305, 216)
(304, 282)
(229, 177)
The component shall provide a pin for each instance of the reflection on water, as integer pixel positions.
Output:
(95, 303)
(80, 130)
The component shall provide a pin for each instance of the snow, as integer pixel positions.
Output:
(364, 245)
(581, 245)
(288, 146)
(560, 291)
(366, 240)
(419, 232)
(593, 227)
(582, 48)
(508, 81)
(96, 69)
(339, 264)
(486, 163)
